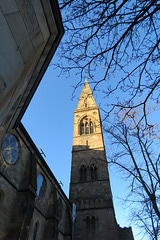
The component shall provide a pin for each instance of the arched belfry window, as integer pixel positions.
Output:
(91, 223)
(83, 173)
(86, 126)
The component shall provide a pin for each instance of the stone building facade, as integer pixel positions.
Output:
(32, 203)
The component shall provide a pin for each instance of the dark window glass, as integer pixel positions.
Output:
(93, 223)
(82, 129)
(93, 172)
(88, 223)
(83, 173)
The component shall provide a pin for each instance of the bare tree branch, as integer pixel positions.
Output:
(117, 37)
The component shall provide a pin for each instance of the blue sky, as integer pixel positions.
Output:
(49, 121)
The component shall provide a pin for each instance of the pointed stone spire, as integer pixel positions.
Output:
(86, 99)
(90, 187)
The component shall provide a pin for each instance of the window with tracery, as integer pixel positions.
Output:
(83, 173)
(91, 223)
(86, 126)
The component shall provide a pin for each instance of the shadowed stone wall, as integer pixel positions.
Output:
(27, 200)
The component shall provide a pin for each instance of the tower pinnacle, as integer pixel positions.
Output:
(86, 99)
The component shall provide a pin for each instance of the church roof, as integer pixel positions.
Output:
(86, 99)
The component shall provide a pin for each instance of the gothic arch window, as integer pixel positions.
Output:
(93, 172)
(91, 223)
(41, 185)
(86, 126)
(83, 173)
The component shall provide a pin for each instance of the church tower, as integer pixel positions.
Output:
(90, 187)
